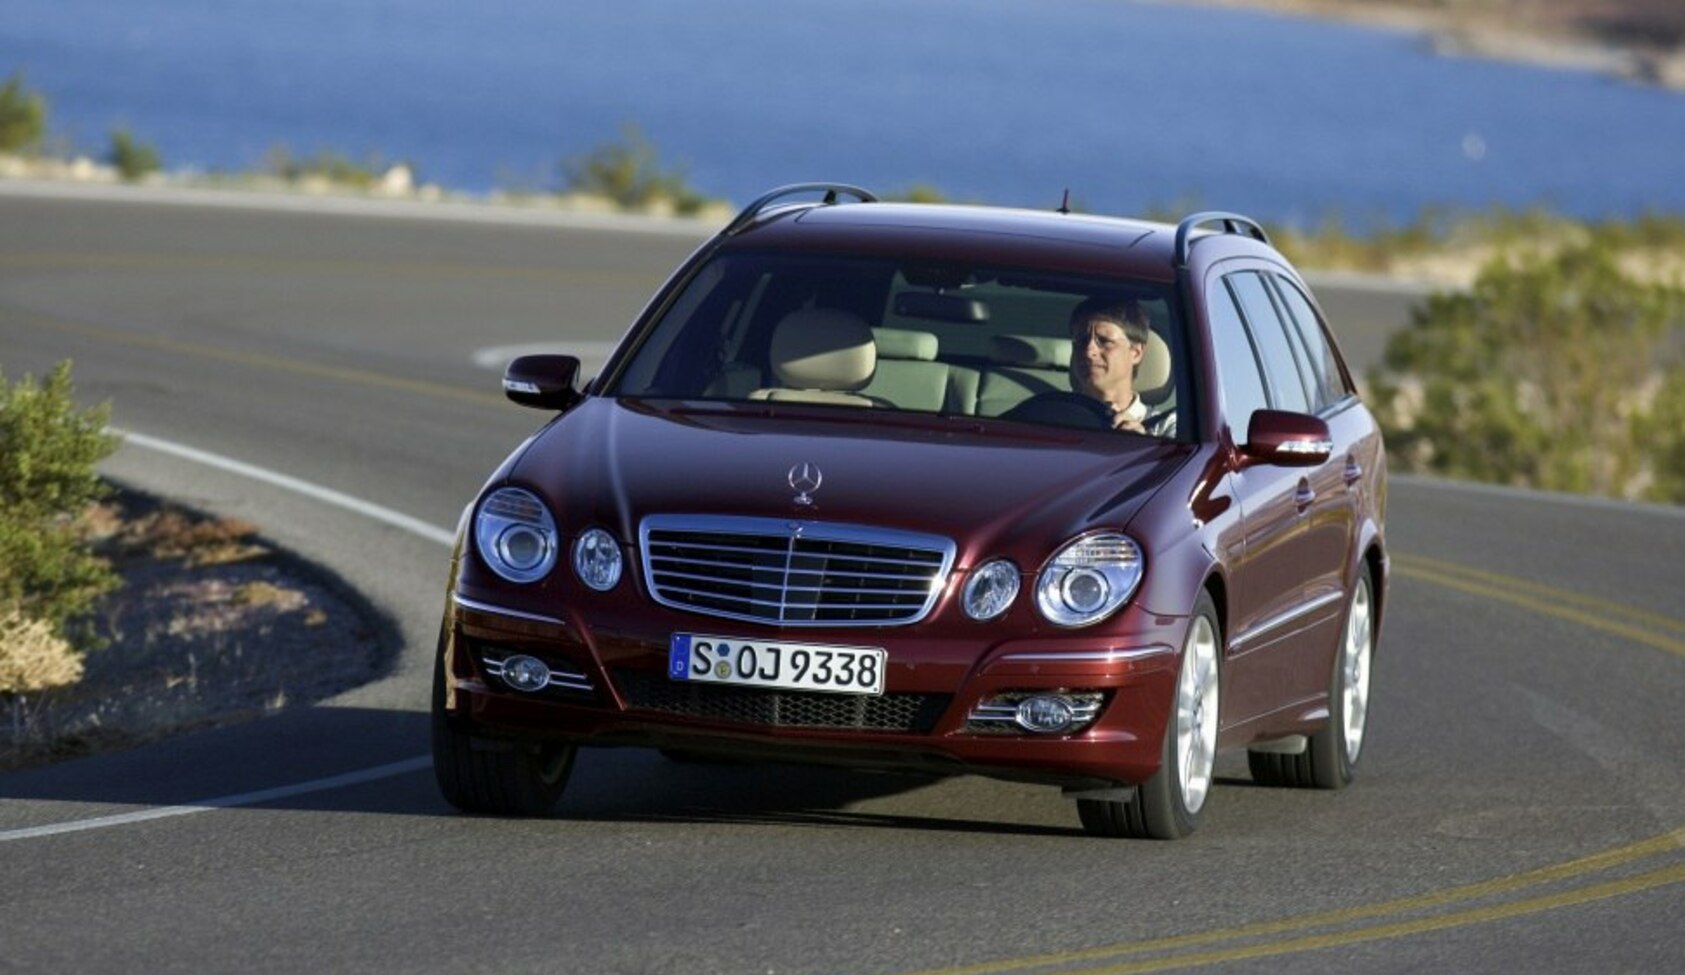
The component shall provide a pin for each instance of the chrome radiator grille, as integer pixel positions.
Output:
(793, 573)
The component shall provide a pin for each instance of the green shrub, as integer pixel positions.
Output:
(132, 157)
(48, 450)
(326, 164)
(628, 173)
(1558, 372)
(23, 115)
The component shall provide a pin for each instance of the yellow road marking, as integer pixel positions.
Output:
(1485, 915)
(1636, 634)
(1666, 843)
(1534, 596)
(258, 360)
(427, 269)
(1422, 562)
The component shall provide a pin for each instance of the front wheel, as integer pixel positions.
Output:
(1329, 761)
(489, 775)
(1168, 805)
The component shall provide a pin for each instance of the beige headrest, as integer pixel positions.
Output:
(1032, 351)
(905, 343)
(823, 348)
(1155, 366)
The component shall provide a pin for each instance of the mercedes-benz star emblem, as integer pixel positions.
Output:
(805, 479)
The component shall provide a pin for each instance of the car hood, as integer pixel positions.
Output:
(991, 486)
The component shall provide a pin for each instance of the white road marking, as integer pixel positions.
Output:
(326, 495)
(374, 774)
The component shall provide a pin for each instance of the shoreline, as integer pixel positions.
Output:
(1555, 42)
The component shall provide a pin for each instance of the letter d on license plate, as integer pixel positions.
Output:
(707, 659)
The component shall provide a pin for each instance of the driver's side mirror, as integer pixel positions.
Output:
(1287, 439)
(544, 382)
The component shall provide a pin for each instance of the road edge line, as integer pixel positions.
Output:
(359, 777)
(326, 495)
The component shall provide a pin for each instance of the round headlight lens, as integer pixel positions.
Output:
(990, 590)
(596, 558)
(1084, 590)
(1089, 579)
(522, 547)
(515, 535)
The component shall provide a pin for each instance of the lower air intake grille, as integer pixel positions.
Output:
(906, 713)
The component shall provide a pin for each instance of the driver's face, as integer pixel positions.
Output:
(1103, 359)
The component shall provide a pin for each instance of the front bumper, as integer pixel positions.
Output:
(612, 689)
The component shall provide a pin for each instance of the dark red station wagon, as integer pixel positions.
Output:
(1035, 495)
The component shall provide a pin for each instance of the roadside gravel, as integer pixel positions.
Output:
(213, 625)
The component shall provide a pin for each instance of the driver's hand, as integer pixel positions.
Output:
(1123, 421)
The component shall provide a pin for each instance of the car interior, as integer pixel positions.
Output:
(868, 334)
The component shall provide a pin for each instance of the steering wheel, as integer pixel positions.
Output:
(1061, 409)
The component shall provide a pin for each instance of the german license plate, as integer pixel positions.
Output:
(791, 666)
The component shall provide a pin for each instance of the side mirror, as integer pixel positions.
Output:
(1287, 439)
(542, 381)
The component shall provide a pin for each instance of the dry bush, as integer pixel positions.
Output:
(33, 657)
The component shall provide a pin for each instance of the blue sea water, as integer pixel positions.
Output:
(1128, 104)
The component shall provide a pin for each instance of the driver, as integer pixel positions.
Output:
(1108, 342)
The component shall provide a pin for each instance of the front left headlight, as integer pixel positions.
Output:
(1089, 579)
(515, 535)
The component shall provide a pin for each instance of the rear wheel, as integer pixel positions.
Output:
(492, 775)
(1168, 805)
(1329, 761)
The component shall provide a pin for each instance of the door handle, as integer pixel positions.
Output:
(1353, 471)
(1303, 497)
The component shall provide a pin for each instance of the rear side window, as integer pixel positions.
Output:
(1330, 384)
(1237, 363)
(1288, 377)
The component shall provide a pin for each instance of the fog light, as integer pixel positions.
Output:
(525, 673)
(1047, 714)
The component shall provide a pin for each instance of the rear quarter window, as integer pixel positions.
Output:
(1330, 382)
(1288, 377)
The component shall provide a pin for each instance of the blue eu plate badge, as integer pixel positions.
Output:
(678, 657)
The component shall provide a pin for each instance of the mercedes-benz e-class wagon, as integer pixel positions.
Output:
(1049, 497)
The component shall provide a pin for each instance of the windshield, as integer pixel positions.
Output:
(866, 334)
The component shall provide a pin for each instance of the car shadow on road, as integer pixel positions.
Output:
(636, 785)
(325, 756)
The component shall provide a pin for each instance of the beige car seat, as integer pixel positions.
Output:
(821, 355)
(1021, 366)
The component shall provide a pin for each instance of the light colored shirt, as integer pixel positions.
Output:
(1163, 426)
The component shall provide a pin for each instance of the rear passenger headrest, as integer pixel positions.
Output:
(1032, 351)
(905, 343)
(823, 348)
(1155, 366)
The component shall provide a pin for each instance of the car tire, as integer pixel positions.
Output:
(1169, 805)
(1330, 759)
(503, 777)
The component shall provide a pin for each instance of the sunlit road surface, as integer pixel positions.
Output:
(1521, 805)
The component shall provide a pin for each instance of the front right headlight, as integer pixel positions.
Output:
(1089, 579)
(515, 535)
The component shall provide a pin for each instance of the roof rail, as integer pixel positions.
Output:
(830, 190)
(1233, 223)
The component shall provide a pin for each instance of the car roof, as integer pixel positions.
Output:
(1048, 240)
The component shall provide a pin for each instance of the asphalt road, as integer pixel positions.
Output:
(1521, 805)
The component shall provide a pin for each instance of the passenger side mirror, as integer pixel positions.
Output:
(542, 381)
(1287, 439)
